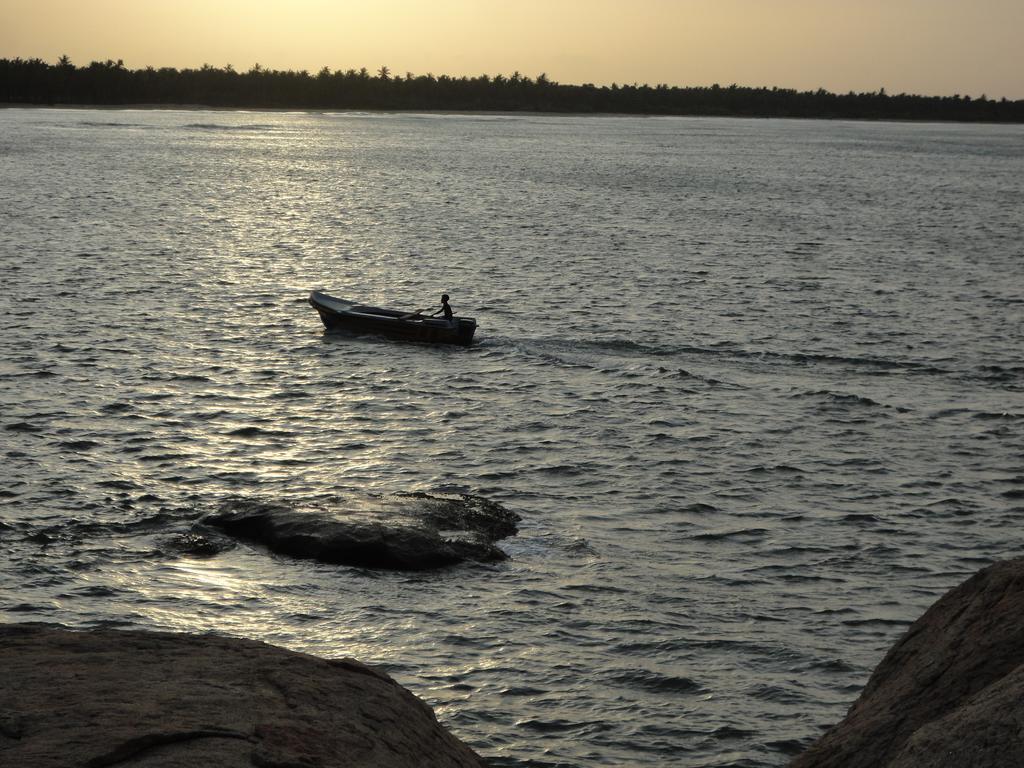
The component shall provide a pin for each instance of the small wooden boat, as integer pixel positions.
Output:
(343, 315)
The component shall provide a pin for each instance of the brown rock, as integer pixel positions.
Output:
(950, 693)
(117, 698)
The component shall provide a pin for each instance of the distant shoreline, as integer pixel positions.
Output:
(150, 107)
(486, 112)
(109, 84)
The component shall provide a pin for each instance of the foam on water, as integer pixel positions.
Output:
(754, 386)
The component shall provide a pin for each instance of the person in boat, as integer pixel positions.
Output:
(446, 308)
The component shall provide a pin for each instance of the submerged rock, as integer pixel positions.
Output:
(950, 693)
(406, 532)
(110, 697)
(199, 543)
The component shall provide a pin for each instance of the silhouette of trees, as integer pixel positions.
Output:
(33, 81)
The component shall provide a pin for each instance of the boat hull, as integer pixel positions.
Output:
(350, 317)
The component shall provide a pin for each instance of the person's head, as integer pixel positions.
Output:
(444, 297)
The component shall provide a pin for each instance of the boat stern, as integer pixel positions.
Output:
(465, 331)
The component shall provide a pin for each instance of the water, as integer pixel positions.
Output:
(756, 388)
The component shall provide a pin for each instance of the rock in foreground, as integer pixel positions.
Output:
(106, 697)
(409, 532)
(950, 694)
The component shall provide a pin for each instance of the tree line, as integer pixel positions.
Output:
(34, 81)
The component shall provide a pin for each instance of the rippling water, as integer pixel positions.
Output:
(756, 388)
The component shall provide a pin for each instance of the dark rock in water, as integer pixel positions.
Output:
(472, 514)
(950, 693)
(199, 543)
(407, 532)
(110, 697)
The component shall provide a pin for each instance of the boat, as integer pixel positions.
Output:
(343, 315)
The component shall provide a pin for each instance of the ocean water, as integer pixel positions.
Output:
(755, 387)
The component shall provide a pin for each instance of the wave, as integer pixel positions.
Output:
(746, 533)
(860, 518)
(839, 397)
(116, 407)
(22, 426)
(40, 374)
(110, 124)
(833, 665)
(700, 507)
(566, 351)
(764, 469)
(1002, 371)
(822, 358)
(558, 725)
(877, 622)
(74, 529)
(222, 127)
(997, 416)
(977, 415)
(79, 445)
(682, 373)
(259, 432)
(648, 680)
(291, 394)
(846, 400)
(778, 694)
(119, 485)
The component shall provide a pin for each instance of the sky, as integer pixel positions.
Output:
(932, 47)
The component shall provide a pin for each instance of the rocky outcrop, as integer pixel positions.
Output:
(406, 532)
(950, 694)
(115, 698)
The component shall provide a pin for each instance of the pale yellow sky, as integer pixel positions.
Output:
(918, 46)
